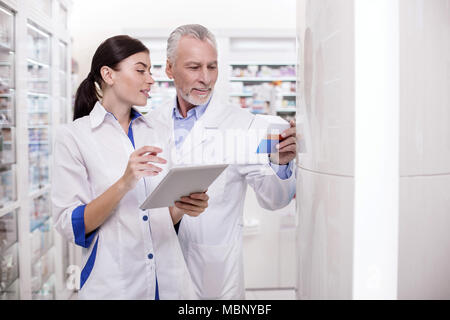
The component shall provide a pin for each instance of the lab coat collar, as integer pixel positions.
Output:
(197, 110)
(98, 114)
(212, 117)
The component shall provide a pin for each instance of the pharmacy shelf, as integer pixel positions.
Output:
(8, 207)
(35, 62)
(251, 94)
(38, 41)
(37, 94)
(5, 48)
(286, 110)
(241, 94)
(40, 192)
(263, 79)
(163, 80)
(255, 63)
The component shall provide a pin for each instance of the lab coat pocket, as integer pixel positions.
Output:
(214, 270)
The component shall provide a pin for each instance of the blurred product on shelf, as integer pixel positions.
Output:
(8, 230)
(276, 98)
(7, 185)
(264, 88)
(262, 71)
(9, 268)
(7, 152)
(39, 211)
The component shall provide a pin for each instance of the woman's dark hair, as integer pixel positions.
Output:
(110, 53)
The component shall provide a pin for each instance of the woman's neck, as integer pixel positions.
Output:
(119, 109)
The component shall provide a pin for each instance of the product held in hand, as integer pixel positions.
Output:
(269, 145)
(276, 127)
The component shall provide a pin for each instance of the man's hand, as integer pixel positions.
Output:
(193, 206)
(287, 148)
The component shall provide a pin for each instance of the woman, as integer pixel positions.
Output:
(105, 164)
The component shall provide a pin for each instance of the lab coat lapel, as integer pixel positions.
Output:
(198, 137)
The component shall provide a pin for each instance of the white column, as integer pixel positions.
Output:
(375, 239)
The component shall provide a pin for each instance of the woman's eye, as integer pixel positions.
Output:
(141, 71)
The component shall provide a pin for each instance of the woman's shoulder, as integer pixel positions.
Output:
(73, 129)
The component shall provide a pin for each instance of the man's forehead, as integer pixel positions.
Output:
(191, 43)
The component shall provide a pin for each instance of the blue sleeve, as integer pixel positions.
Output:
(284, 172)
(78, 226)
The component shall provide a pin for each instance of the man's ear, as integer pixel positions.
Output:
(107, 75)
(169, 67)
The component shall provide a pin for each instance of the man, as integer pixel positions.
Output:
(212, 242)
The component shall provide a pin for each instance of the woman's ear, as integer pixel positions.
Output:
(107, 75)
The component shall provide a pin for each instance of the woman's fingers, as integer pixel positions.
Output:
(148, 167)
(151, 158)
(147, 149)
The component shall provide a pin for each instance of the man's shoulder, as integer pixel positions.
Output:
(238, 116)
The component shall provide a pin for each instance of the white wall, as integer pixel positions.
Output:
(94, 21)
(424, 238)
(325, 184)
(373, 190)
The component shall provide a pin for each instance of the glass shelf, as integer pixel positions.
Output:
(7, 146)
(10, 293)
(38, 47)
(8, 230)
(42, 277)
(6, 29)
(41, 240)
(39, 211)
(9, 267)
(7, 185)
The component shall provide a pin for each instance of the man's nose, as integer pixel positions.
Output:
(204, 76)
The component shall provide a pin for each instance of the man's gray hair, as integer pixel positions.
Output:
(196, 30)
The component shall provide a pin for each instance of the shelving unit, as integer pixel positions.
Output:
(9, 266)
(34, 46)
(252, 86)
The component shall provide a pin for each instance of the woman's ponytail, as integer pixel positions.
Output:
(85, 98)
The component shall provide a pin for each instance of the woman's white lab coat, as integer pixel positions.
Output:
(125, 255)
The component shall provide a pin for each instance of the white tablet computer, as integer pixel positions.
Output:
(180, 182)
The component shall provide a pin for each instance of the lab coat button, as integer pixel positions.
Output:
(150, 256)
(145, 218)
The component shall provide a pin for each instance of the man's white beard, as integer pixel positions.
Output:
(196, 101)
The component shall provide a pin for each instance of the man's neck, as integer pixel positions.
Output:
(184, 106)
